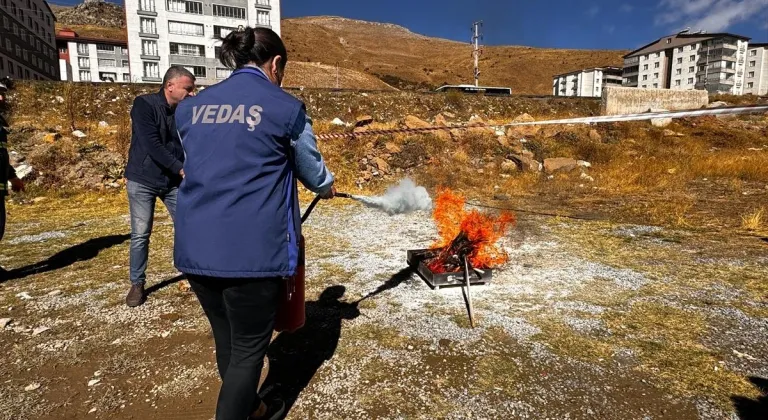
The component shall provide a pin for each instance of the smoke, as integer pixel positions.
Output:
(398, 199)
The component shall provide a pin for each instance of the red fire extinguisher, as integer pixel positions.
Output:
(290, 310)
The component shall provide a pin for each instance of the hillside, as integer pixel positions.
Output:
(407, 60)
(90, 12)
(321, 76)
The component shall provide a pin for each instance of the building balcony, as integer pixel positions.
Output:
(151, 79)
(148, 35)
(151, 13)
(717, 45)
(263, 5)
(150, 57)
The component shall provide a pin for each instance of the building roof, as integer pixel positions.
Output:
(616, 69)
(758, 45)
(680, 39)
(66, 34)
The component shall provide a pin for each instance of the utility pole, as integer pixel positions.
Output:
(476, 36)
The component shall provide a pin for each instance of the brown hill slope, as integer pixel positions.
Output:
(404, 59)
(316, 75)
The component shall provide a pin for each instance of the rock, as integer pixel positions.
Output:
(55, 293)
(503, 141)
(59, 99)
(24, 171)
(584, 164)
(110, 113)
(392, 148)
(31, 387)
(718, 104)
(366, 176)
(51, 137)
(103, 124)
(39, 330)
(381, 165)
(509, 165)
(594, 135)
(660, 122)
(669, 133)
(4, 322)
(363, 121)
(165, 334)
(501, 197)
(441, 121)
(524, 118)
(525, 130)
(337, 121)
(93, 382)
(79, 134)
(553, 165)
(415, 122)
(527, 153)
(449, 114)
(24, 296)
(526, 163)
(587, 177)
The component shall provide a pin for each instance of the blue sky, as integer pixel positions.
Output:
(584, 24)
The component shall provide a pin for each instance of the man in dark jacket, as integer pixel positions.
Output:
(154, 168)
(7, 173)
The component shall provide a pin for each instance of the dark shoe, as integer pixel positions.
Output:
(136, 296)
(275, 410)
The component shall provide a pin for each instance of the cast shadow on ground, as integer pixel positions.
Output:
(81, 252)
(294, 358)
(753, 409)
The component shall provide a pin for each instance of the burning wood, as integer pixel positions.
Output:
(472, 234)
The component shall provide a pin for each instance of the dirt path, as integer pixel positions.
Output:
(588, 320)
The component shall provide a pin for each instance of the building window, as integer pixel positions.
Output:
(262, 2)
(690, 80)
(83, 62)
(751, 74)
(26, 55)
(680, 49)
(23, 34)
(691, 69)
(106, 62)
(655, 85)
(37, 28)
(6, 24)
(18, 52)
(702, 68)
(126, 77)
(645, 77)
(750, 85)
(185, 28)
(229, 11)
(645, 66)
(13, 8)
(8, 45)
(190, 50)
(149, 48)
(222, 31)
(147, 5)
(182, 6)
(148, 26)
(26, 73)
(48, 20)
(105, 48)
(669, 40)
(656, 65)
(15, 29)
(198, 71)
(752, 53)
(222, 73)
(151, 70)
(82, 48)
(677, 82)
(678, 71)
(125, 63)
(262, 18)
(85, 75)
(655, 75)
(645, 86)
(752, 63)
(108, 77)
(679, 60)
(693, 58)
(217, 52)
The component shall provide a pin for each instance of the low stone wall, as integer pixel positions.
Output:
(621, 100)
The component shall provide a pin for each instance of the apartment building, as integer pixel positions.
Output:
(84, 59)
(756, 80)
(712, 62)
(162, 33)
(588, 82)
(27, 47)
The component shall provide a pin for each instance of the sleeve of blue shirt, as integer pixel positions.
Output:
(310, 166)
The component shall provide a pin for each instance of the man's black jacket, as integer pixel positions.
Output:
(156, 156)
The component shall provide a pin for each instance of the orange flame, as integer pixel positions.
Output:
(483, 229)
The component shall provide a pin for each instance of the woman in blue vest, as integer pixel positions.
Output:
(247, 143)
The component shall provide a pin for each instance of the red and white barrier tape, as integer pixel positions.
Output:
(749, 109)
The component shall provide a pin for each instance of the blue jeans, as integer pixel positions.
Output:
(141, 201)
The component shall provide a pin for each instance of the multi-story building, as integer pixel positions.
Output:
(84, 59)
(27, 47)
(756, 80)
(162, 33)
(587, 82)
(712, 62)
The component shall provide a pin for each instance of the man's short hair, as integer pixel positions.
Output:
(174, 72)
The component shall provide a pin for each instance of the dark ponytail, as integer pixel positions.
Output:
(252, 45)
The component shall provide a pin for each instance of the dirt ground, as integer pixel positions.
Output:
(589, 319)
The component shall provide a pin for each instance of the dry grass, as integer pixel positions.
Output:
(754, 221)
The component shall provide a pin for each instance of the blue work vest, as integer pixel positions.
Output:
(237, 213)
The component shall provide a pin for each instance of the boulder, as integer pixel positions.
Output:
(392, 147)
(526, 163)
(525, 130)
(660, 122)
(79, 134)
(595, 136)
(51, 137)
(670, 133)
(337, 121)
(553, 165)
(509, 166)
(381, 165)
(717, 104)
(25, 171)
(415, 122)
(440, 121)
(363, 121)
